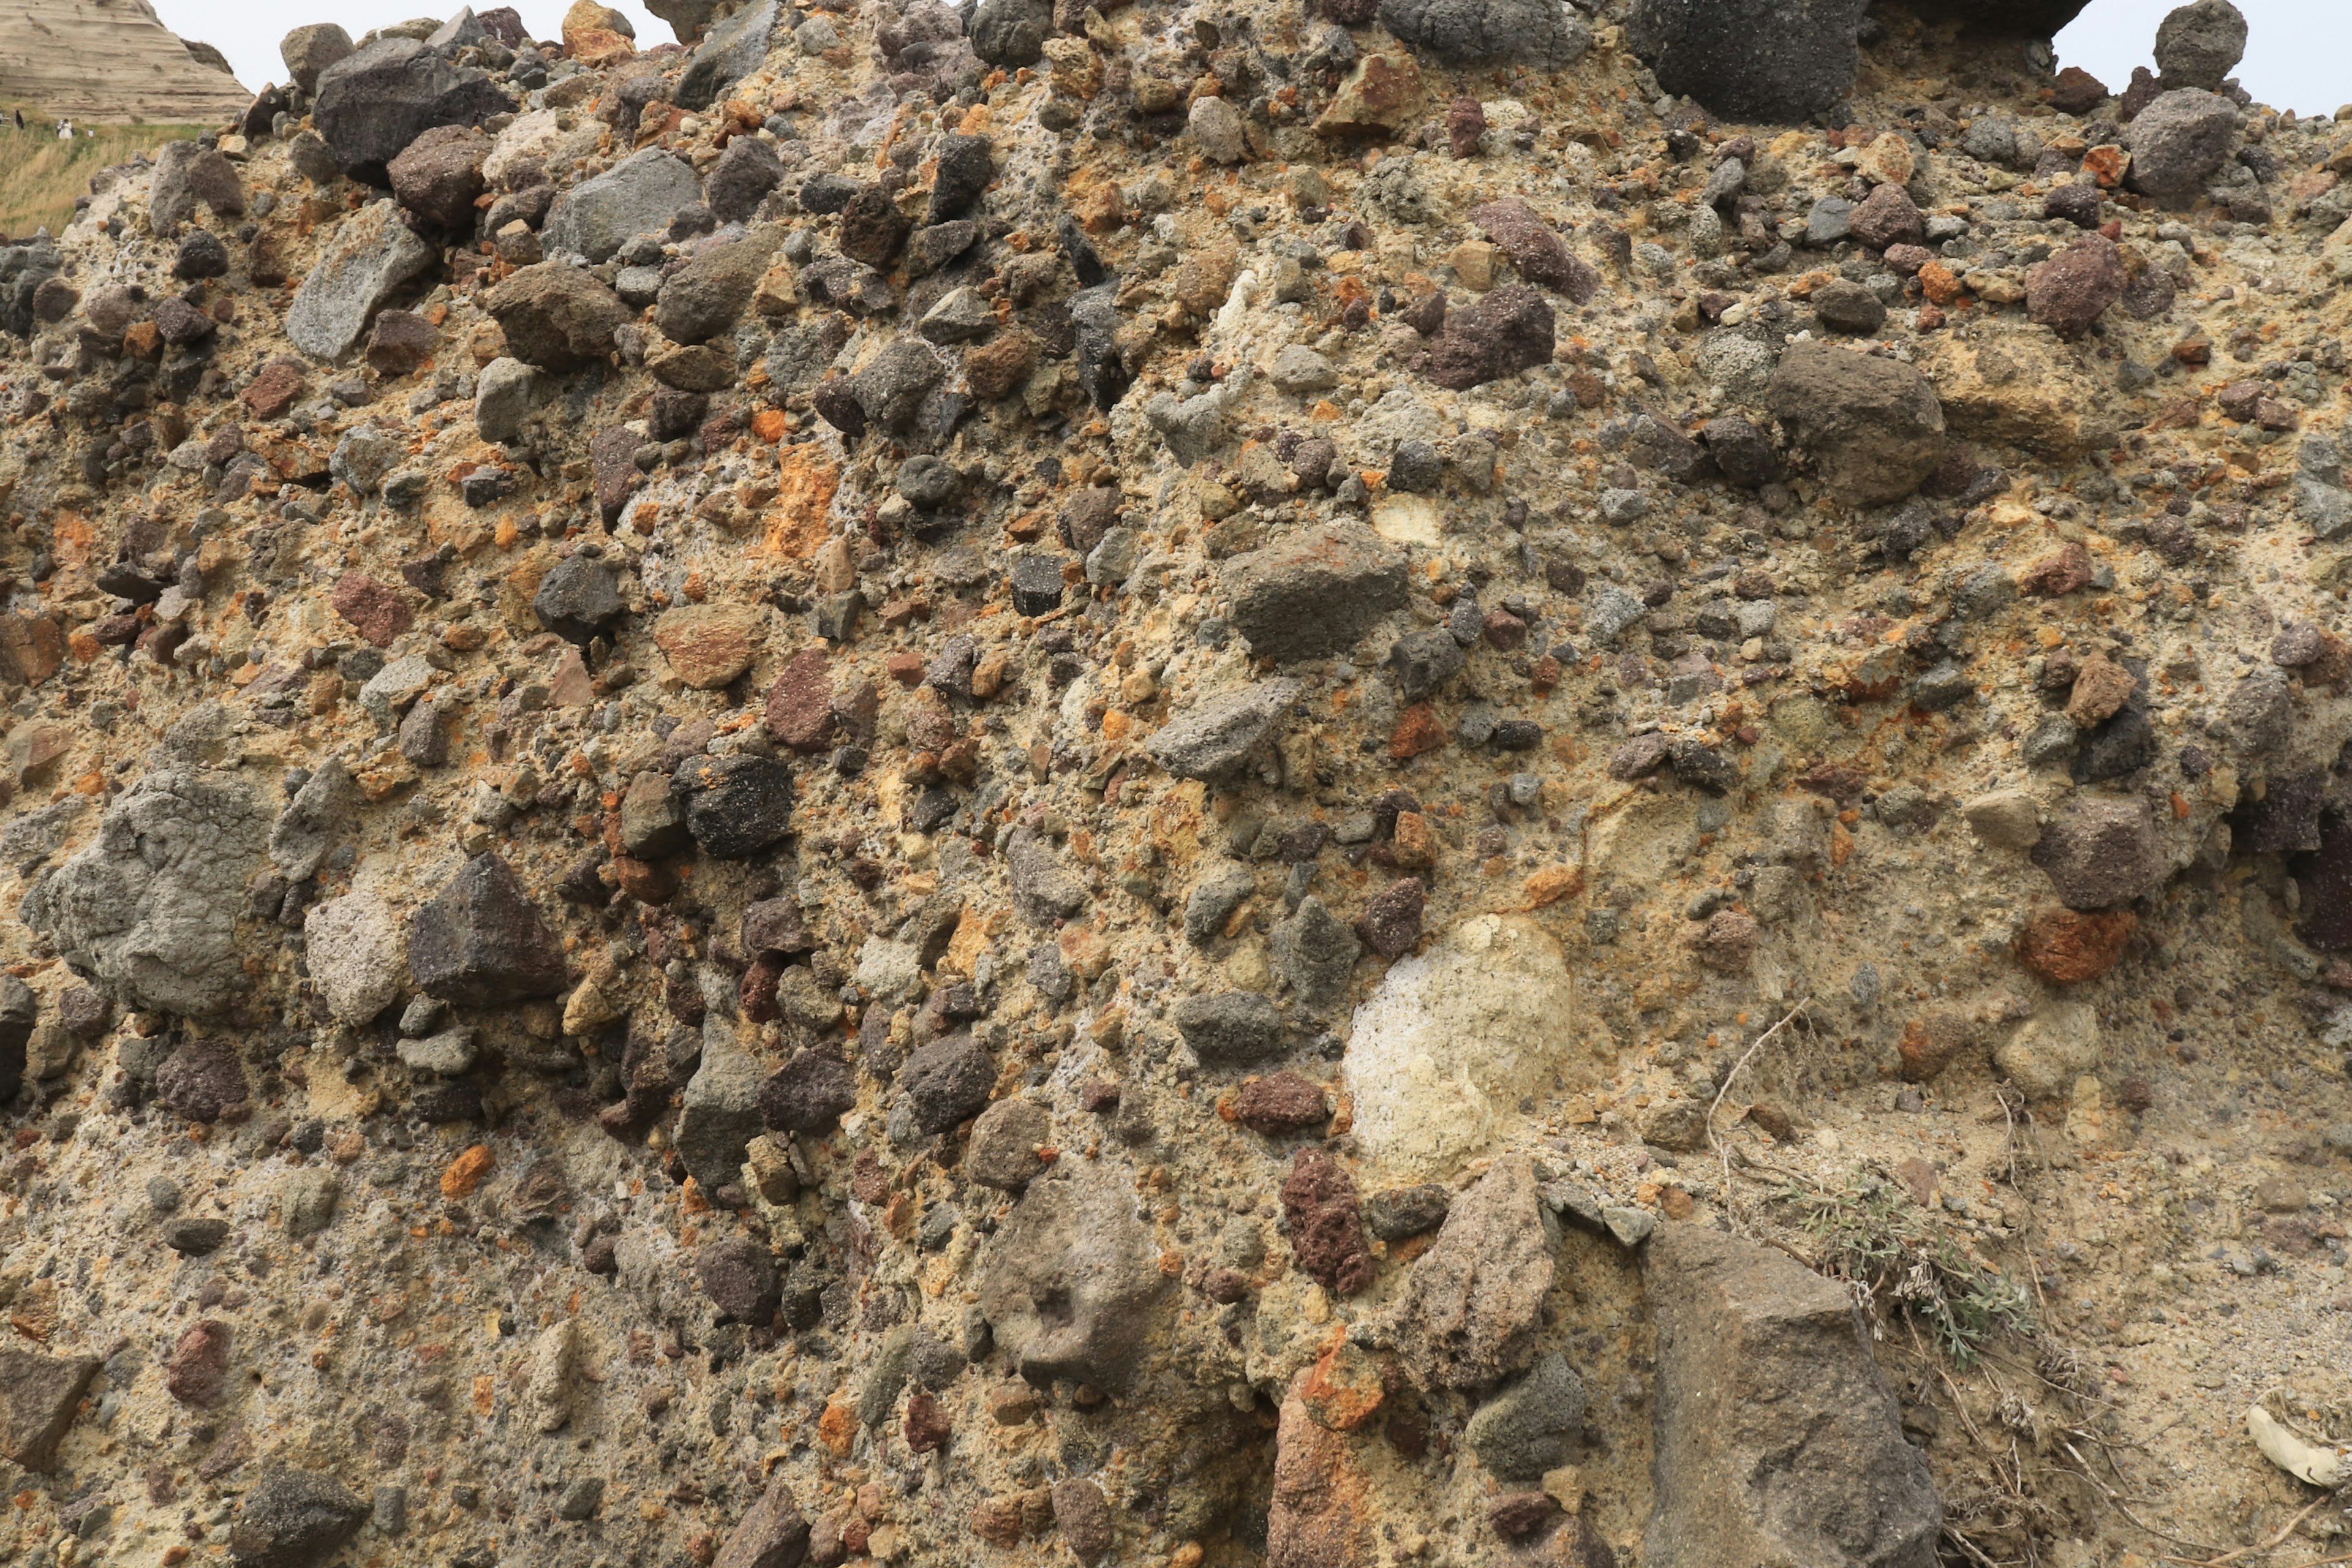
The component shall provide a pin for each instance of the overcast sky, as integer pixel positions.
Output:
(2300, 57)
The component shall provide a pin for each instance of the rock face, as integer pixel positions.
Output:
(1042, 778)
(1777, 1437)
(148, 911)
(110, 65)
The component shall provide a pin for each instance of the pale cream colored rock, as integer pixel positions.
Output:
(1443, 1051)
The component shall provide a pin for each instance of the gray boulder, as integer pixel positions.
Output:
(1220, 733)
(721, 1112)
(373, 102)
(639, 196)
(2180, 142)
(2199, 45)
(39, 1396)
(308, 50)
(1071, 1286)
(734, 49)
(2101, 851)
(1751, 59)
(1777, 1439)
(703, 298)
(147, 912)
(1472, 1305)
(1875, 425)
(1530, 1426)
(480, 943)
(1315, 592)
(320, 811)
(294, 1519)
(371, 255)
(1010, 33)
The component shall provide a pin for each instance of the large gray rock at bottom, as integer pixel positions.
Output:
(480, 941)
(720, 1111)
(1777, 1440)
(1875, 425)
(1071, 1286)
(2101, 851)
(1218, 734)
(1530, 1427)
(2180, 142)
(371, 255)
(732, 51)
(38, 1397)
(147, 912)
(1472, 1306)
(642, 194)
(1316, 592)
(1545, 33)
(373, 102)
(771, 1534)
(353, 946)
(1751, 59)
(2199, 45)
(294, 1519)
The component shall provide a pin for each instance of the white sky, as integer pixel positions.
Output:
(247, 31)
(2299, 58)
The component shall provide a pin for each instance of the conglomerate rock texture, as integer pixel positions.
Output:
(1187, 783)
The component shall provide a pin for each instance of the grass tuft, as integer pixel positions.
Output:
(1875, 1237)
(41, 177)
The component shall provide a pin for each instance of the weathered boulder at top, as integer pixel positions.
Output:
(1544, 33)
(1874, 425)
(480, 943)
(375, 101)
(1072, 1279)
(1751, 59)
(147, 912)
(1777, 1441)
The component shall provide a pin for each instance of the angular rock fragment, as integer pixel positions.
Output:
(1071, 1284)
(1219, 734)
(480, 941)
(1777, 1439)
(1473, 1302)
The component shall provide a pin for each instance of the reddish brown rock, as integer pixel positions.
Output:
(273, 389)
(197, 1372)
(2100, 691)
(377, 611)
(1535, 248)
(927, 1426)
(1322, 1512)
(709, 646)
(2056, 575)
(799, 703)
(1727, 942)
(2066, 947)
(2074, 288)
(1390, 923)
(1327, 1224)
(1887, 217)
(1282, 1104)
(32, 648)
(998, 369)
(1930, 1043)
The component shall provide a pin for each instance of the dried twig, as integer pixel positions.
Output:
(1722, 1152)
(2117, 1497)
(2285, 1530)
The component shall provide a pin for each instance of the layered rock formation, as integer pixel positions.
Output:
(1201, 786)
(112, 62)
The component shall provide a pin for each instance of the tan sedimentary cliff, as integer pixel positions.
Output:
(109, 62)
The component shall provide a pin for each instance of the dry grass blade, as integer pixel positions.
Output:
(45, 175)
